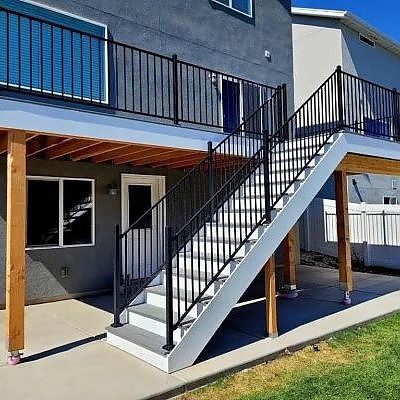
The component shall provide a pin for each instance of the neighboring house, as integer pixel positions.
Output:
(324, 39)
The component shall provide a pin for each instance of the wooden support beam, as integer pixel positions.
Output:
(149, 159)
(271, 324)
(95, 150)
(289, 260)
(356, 164)
(343, 232)
(44, 143)
(113, 154)
(15, 243)
(130, 158)
(185, 163)
(67, 148)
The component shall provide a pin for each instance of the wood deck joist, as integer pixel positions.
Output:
(54, 147)
(356, 164)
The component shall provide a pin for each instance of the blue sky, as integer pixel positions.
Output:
(383, 14)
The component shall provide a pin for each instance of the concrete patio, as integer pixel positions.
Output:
(68, 358)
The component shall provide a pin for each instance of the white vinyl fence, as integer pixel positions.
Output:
(374, 231)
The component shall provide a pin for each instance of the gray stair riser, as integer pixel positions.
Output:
(153, 325)
(159, 300)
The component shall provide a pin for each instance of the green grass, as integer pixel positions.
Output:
(360, 364)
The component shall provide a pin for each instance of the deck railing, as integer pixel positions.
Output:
(263, 158)
(46, 59)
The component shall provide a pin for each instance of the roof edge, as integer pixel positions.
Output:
(352, 21)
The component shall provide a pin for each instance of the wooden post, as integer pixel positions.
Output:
(289, 265)
(15, 247)
(271, 326)
(343, 234)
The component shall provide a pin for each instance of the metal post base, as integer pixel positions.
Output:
(346, 298)
(14, 358)
(168, 347)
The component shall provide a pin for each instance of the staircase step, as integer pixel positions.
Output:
(156, 296)
(153, 319)
(140, 337)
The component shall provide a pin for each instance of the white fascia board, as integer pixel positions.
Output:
(352, 21)
(47, 119)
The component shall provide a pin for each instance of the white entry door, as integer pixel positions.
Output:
(142, 245)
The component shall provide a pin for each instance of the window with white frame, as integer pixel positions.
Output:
(60, 212)
(64, 55)
(242, 6)
(390, 200)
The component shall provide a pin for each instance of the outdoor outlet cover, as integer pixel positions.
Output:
(64, 272)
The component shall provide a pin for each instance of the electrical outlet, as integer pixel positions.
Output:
(64, 272)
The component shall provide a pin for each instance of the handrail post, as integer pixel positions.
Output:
(266, 176)
(284, 105)
(211, 185)
(175, 88)
(396, 117)
(117, 278)
(340, 96)
(169, 345)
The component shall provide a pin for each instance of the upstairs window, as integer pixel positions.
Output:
(47, 51)
(242, 6)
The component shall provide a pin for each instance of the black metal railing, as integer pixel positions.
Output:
(143, 246)
(237, 187)
(46, 59)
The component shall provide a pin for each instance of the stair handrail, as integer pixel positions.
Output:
(261, 157)
(207, 176)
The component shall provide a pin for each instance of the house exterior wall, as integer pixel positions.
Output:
(317, 50)
(319, 45)
(90, 268)
(199, 32)
(375, 64)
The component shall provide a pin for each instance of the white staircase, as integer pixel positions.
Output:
(143, 335)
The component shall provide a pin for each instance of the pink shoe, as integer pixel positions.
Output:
(14, 359)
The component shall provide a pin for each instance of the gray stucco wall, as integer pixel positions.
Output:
(200, 32)
(90, 268)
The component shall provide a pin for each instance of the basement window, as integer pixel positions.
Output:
(366, 40)
(242, 6)
(60, 212)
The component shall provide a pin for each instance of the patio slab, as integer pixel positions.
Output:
(67, 356)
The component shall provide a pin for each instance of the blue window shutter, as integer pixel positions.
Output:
(49, 58)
